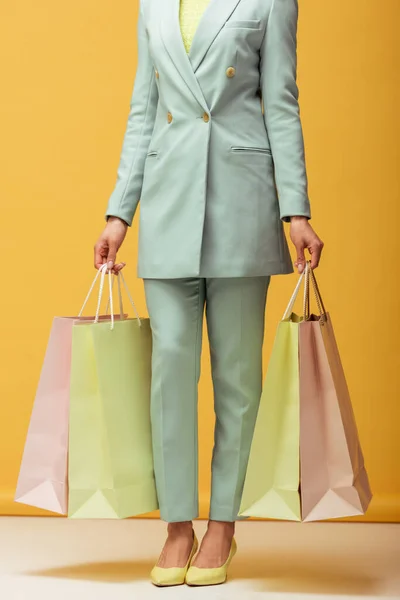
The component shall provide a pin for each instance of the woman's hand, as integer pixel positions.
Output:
(303, 236)
(108, 244)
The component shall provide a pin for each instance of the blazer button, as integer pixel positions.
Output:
(169, 117)
(157, 74)
(206, 117)
(230, 72)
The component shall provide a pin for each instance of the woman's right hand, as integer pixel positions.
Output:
(108, 244)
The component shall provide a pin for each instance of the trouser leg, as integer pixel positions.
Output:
(175, 308)
(235, 310)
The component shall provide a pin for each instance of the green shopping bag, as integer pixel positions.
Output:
(273, 474)
(110, 465)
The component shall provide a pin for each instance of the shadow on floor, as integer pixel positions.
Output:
(116, 572)
(274, 573)
(319, 574)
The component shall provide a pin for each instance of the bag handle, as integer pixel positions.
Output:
(102, 273)
(121, 307)
(292, 300)
(318, 297)
(306, 301)
(99, 273)
(307, 275)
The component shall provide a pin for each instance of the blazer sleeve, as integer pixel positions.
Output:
(143, 105)
(278, 71)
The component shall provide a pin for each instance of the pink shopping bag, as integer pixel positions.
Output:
(334, 480)
(42, 480)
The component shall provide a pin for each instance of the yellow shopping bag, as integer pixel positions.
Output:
(110, 467)
(272, 480)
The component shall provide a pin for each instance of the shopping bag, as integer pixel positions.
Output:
(271, 486)
(110, 467)
(332, 478)
(42, 479)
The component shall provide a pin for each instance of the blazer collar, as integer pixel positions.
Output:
(212, 20)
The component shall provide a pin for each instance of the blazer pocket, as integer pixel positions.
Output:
(249, 24)
(251, 149)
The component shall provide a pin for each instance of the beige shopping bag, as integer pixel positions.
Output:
(334, 481)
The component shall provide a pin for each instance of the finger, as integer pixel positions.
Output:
(315, 251)
(118, 267)
(300, 260)
(112, 254)
(98, 255)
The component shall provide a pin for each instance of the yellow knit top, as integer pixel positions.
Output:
(190, 12)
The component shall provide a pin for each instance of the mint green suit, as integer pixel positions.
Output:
(216, 177)
(235, 311)
(199, 152)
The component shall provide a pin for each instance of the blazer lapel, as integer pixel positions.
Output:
(211, 21)
(171, 36)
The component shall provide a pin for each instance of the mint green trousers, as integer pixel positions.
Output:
(235, 310)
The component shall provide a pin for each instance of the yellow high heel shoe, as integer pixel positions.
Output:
(161, 576)
(215, 576)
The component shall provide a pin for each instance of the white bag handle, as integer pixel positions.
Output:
(121, 306)
(318, 297)
(308, 274)
(102, 273)
(292, 300)
(120, 275)
(119, 278)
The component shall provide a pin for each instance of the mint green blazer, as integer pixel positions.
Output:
(216, 170)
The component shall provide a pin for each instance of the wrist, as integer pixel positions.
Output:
(298, 218)
(112, 219)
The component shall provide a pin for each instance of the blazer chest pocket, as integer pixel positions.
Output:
(248, 24)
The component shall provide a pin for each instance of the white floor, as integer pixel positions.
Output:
(60, 559)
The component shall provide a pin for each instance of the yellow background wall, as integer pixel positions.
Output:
(66, 85)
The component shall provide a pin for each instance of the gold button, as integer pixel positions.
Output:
(206, 117)
(169, 117)
(157, 75)
(230, 72)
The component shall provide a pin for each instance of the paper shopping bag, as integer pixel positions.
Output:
(334, 481)
(272, 480)
(42, 480)
(110, 467)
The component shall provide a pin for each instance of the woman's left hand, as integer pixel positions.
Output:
(303, 236)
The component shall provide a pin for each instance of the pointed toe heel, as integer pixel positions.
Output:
(163, 577)
(198, 576)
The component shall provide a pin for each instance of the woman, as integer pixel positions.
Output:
(213, 137)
